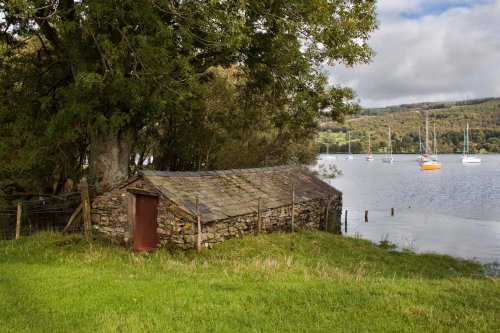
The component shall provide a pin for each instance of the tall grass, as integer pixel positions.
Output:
(55, 283)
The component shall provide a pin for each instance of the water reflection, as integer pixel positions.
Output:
(455, 210)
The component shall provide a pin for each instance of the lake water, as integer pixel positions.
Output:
(455, 210)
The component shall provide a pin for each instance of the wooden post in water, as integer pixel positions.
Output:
(198, 221)
(366, 216)
(293, 208)
(18, 220)
(87, 223)
(345, 221)
(392, 211)
(259, 221)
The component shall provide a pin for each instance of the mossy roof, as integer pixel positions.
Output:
(230, 193)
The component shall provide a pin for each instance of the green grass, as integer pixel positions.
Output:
(327, 283)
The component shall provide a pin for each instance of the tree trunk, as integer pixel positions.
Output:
(109, 158)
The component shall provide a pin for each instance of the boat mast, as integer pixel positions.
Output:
(419, 141)
(389, 150)
(467, 140)
(390, 140)
(435, 141)
(465, 143)
(369, 144)
(426, 134)
(349, 143)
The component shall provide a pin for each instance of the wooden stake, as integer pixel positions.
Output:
(345, 222)
(18, 220)
(326, 216)
(77, 214)
(131, 213)
(198, 220)
(392, 211)
(293, 208)
(259, 221)
(366, 216)
(87, 223)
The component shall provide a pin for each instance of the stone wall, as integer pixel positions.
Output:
(109, 212)
(309, 215)
(177, 228)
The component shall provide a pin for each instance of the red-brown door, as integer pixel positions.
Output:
(146, 212)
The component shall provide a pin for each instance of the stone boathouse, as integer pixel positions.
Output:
(159, 209)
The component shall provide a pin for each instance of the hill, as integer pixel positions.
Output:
(305, 282)
(450, 119)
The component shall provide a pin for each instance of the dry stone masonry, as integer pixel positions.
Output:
(228, 205)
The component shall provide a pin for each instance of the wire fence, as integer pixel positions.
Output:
(37, 214)
(354, 218)
(53, 213)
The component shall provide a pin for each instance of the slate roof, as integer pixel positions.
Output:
(229, 193)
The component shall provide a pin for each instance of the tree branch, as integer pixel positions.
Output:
(47, 30)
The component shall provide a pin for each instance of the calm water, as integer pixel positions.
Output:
(455, 210)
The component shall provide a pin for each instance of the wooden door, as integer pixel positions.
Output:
(146, 213)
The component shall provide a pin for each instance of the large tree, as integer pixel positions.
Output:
(81, 79)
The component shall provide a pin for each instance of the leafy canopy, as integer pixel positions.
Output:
(70, 69)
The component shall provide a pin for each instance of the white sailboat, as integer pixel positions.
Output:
(369, 157)
(388, 157)
(330, 156)
(425, 155)
(434, 156)
(420, 155)
(349, 155)
(433, 164)
(466, 158)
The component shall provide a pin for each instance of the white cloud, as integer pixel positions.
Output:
(449, 51)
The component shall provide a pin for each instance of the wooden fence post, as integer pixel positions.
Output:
(87, 223)
(198, 221)
(259, 217)
(366, 216)
(77, 214)
(293, 208)
(345, 221)
(326, 216)
(18, 220)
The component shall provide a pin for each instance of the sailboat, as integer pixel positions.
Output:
(420, 155)
(369, 157)
(434, 156)
(466, 158)
(388, 157)
(425, 156)
(349, 155)
(432, 164)
(330, 156)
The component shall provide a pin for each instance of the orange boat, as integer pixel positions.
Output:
(431, 165)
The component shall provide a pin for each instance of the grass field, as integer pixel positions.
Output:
(317, 283)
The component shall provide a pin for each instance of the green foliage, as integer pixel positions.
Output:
(73, 70)
(230, 127)
(326, 283)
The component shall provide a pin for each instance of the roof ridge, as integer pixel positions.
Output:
(214, 172)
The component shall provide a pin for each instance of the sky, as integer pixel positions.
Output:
(429, 51)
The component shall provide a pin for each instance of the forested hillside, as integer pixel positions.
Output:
(450, 119)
